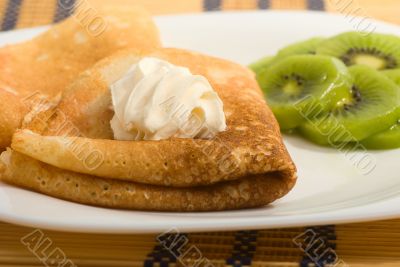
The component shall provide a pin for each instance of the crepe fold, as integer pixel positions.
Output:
(70, 146)
(251, 191)
(44, 66)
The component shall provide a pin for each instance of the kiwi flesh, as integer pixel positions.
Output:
(394, 75)
(388, 139)
(300, 48)
(261, 64)
(305, 47)
(372, 109)
(297, 85)
(378, 51)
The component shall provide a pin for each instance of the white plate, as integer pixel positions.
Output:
(332, 187)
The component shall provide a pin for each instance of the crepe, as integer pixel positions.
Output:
(252, 191)
(245, 166)
(45, 65)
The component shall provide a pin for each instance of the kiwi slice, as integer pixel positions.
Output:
(308, 46)
(378, 51)
(261, 64)
(388, 139)
(300, 48)
(394, 75)
(373, 108)
(298, 85)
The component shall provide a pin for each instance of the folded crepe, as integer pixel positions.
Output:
(68, 151)
(44, 66)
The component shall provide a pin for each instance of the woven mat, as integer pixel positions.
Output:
(28, 13)
(363, 244)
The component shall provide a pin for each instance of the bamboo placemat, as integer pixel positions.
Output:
(363, 244)
(28, 13)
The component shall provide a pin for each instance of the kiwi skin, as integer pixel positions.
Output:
(362, 118)
(379, 51)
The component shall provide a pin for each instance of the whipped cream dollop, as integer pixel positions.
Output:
(157, 100)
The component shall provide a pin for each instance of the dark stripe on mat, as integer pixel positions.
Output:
(64, 9)
(167, 251)
(243, 248)
(212, 5)
(11, 15)
(315, 5)
(264, 4)
(319, 245)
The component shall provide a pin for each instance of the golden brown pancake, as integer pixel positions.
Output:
(250, 191)
(245, 166)
(51, 61)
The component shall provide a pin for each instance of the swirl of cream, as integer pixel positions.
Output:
(157, 100)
